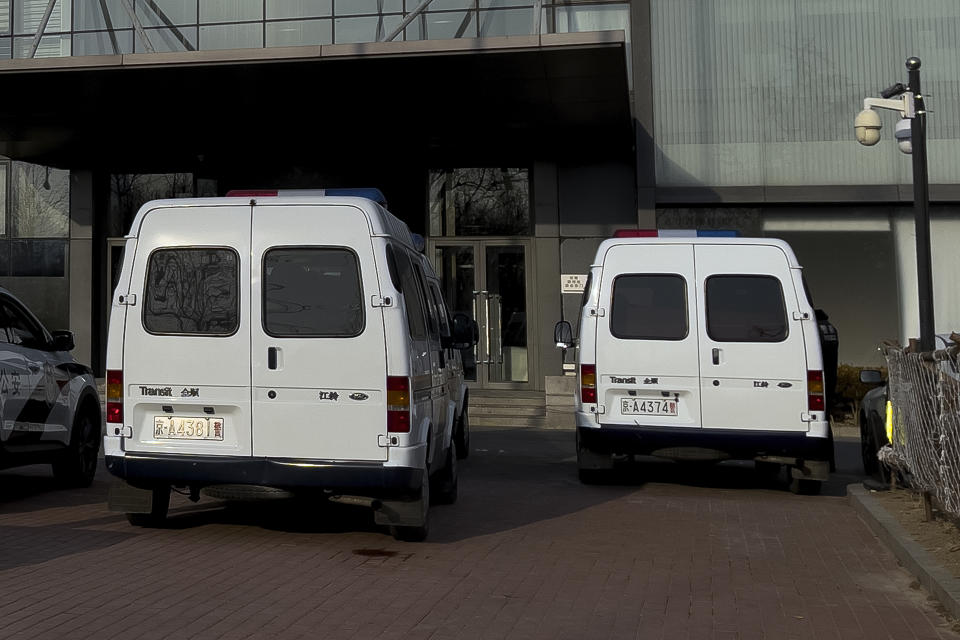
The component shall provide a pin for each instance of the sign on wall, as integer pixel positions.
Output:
(573, 282)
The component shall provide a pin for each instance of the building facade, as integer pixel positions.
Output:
(515, 135)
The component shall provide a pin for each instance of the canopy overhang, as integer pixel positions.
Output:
(476, 99)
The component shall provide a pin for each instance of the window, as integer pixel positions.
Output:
(441, 310)
(745, 309)
(312, 293)
(411, 298)
(480, 202)
(649, 307)
(192, 292)
(21, 328)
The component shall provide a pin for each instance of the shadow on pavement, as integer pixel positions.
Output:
(33, 488)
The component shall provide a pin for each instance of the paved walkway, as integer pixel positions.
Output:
(527, 552)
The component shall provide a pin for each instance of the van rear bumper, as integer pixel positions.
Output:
(738, 444)
(368, 479)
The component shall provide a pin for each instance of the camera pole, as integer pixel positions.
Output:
(921, 207)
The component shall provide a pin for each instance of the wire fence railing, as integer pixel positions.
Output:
(923, 422)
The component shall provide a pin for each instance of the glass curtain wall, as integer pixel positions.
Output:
(764, 92)
(92, 27)
(34, 238)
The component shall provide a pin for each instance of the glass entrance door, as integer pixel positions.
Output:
(489, 280)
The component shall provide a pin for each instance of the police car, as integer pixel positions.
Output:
(49, 406)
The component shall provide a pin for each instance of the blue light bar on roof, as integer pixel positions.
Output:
(370, 193)
(718, 233)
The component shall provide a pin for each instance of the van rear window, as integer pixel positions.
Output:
(312, 292)
(649, 307)
(745, 309)
(192, 291)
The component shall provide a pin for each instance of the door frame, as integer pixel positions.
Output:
(480, 244)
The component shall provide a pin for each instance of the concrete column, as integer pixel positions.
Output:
(80, 269)
(643, 117)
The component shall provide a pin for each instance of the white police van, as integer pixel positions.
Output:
(270, 340)
(697, 347)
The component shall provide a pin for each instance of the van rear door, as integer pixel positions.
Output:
(752, 355)
(647, 361)
(186, 339)
(318, 350)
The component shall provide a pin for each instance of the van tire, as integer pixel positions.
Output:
(78, 466)
(159, 505)
(462, 434)
(446, 481)
(416, 533)
(805, 486)
(590, 475)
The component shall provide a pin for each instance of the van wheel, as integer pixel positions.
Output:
(462, 436)
(79, 463)
(446, 481)
(805, 486)
(589, 475)
(416, 533)
(159, 505)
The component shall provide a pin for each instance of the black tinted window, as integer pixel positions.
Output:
(21, 328)
(649, 307)
(312, 292)
(192, 291)
(745, 309)
(411, 298)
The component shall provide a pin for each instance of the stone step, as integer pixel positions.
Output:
(506, 410)
(507, 421)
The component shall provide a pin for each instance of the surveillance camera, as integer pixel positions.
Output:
(902, 133)
(893, 90)
(867, 126)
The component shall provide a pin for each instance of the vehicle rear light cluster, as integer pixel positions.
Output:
(588, 383)
(115, 396)
(252, 193)
(398, 404)
(815, 394)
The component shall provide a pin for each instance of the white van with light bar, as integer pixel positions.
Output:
(266, 344)
(699, 347)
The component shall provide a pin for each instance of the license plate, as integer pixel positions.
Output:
(187, 428)
(645, 407)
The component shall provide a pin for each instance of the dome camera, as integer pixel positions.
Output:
(902, 133)
(867, 126)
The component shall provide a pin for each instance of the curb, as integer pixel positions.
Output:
(915, 559)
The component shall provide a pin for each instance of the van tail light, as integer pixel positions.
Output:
(588, 383)
(398, 404)
(115, 396)
(815, 395)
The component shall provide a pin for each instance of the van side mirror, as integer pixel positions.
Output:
(871, 376)
(62, 341)
(563, 335)
(465, 331)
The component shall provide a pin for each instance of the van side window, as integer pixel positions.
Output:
(441, 309)
(413, 305)
(392, 268)
(432, 322)
(192, 291)
(649, 307)
(745, 309)
(312, 292)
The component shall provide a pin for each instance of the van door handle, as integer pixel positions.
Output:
(272, 358)
(716, 356)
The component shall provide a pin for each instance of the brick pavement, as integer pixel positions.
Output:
(527, 552)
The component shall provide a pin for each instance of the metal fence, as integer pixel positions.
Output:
(924, 419)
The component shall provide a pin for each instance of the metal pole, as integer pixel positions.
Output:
(403, 24)
(43, 27)
(921, 208)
